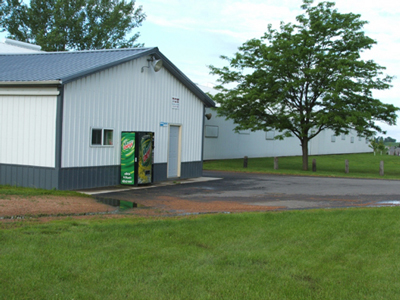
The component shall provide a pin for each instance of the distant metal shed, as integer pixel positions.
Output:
(13, 46)
(51, 102)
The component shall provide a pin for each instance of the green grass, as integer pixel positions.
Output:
(27, 192)
(313, 254)
(360, 165)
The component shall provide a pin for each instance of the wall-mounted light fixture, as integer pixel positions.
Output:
(156, 64)
(208, 116)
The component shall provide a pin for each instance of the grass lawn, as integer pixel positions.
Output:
(27, 192)
(313, 254)
(360, 165)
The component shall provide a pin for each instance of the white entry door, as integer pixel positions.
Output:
(174, 152)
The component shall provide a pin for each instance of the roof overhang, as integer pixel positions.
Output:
(30, 88)
(30, 83)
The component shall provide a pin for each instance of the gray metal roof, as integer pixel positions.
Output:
(69, 66)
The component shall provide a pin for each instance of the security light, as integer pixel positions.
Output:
(155, 63)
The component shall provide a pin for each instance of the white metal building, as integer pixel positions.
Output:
(12, 46)
(52, 103)
(222, 142)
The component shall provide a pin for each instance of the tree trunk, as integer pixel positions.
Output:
(304, 149)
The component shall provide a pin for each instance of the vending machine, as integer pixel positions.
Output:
(137, 149)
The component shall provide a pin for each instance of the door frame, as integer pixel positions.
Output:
(179, 148)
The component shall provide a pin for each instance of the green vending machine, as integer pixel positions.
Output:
(137, 157)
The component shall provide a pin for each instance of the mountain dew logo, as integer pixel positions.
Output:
(145, 150)
(146, 156)
(127, 145)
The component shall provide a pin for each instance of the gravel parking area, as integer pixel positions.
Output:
(216, 192)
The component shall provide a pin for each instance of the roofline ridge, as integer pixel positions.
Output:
(79, 51)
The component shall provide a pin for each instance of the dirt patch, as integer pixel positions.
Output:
(181, 206)
(13, 206)
(47, 208)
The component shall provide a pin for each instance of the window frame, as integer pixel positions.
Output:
(270, 135)
(102, 137)
(207, 133)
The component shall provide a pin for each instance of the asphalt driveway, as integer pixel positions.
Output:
(275, 191)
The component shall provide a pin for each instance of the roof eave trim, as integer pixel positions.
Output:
(42, 82)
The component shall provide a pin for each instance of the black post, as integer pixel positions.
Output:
(314, 165)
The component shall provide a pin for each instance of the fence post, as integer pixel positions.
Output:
(245, 162)
(346, 166)
(314, 165)
(275, 163)
(381, 168)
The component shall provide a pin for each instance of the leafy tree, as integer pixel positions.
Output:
(377, 145)
(304, 78)
(60, 25)
(389, 140)
(1, 14)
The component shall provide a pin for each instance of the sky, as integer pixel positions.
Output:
(193, 34)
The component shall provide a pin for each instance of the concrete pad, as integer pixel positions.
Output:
(141, 187)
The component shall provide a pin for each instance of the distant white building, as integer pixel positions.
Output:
(12, 47)
(222, 142)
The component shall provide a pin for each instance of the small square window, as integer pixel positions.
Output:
(269, 135)
(352, 139)
(96, 136)
(333, 138)
(343, 136)
(211, 131)
(108, 137)
(102, 137)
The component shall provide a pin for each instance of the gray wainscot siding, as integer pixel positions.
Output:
(159, 172)
(188, 170)
(89, 177)
(92, 177)
(82, 178)
(28, 176)
(191, 169)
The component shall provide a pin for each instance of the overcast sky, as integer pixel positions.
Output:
(193, 34)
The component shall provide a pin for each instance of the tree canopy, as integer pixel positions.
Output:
(306, 77)
(389, 140)
(60, 25)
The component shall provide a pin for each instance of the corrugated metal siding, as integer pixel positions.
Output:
(125, 99)
(27, 130)
(159, 172)
(192, 169)
(28, 176)
(322, 144)
(89, 177)
(229, 144)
